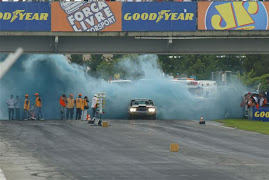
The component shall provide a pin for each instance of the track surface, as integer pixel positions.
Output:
(130, 150)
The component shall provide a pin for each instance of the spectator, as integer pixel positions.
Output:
(79, 103)
(26, 107)
(85, 108)
(255, 97)
(263, 100)
(62, 106)
(245, 104)
(251, 101)
(70, 107)
(38, 107)
(94, 105)
(11, 105)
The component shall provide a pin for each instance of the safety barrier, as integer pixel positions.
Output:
(260, 114)
(91, 16)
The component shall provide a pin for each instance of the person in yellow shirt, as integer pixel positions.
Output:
(38, 106)
(79, 105)
(26, 107)
(85, 108)
(70, 107)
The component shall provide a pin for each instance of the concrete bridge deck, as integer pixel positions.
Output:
(197, 42)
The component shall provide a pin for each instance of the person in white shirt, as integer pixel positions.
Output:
(11, 105)
(94, 105)
(255, 98)
(261, 99)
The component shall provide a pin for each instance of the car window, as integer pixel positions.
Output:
(138, 102)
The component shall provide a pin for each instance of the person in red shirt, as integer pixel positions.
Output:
(63, 105)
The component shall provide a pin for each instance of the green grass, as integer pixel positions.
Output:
(248, 125)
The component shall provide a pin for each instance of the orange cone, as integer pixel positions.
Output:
(202, 121)
(88, 117)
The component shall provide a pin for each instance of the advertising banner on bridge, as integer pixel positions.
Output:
(236, 15)
(25, 16)
(156, 16)
(261, 114)
(86, 16)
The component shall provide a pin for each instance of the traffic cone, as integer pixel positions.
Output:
(202, 121)
(88, 117)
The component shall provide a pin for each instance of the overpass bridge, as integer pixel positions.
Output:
(196, 42)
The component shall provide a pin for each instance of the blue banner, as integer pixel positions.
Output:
(261, 114)
(156, 16)
(25, 16)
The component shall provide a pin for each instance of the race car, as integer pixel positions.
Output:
(142, 108)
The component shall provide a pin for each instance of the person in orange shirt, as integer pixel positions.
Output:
(26, 107)
(70, 104)
(251, 101)
(62, 106)
(79, 103)
(38, 106)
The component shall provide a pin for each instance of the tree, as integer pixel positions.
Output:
(77, 58)
(94, 62)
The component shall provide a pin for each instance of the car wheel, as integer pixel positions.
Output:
(153, 117)
(130, 117)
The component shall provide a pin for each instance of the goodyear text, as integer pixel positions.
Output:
(162, 15)
(22, 15)
(261, 114)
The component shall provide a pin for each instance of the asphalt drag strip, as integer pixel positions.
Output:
(135, 149)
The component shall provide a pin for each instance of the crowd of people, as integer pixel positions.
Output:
(256, 100)
(67, 107)
(82, 106)
(14, 108)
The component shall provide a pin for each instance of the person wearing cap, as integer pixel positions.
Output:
(79, 104)
(85, 108)
(94, 105)
(38, 107)
(11, 105)
(62, 106)
(26, 107)
(70, 107)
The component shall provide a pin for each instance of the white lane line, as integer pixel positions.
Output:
(2, 176)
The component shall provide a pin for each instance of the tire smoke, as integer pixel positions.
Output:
(51, 76)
